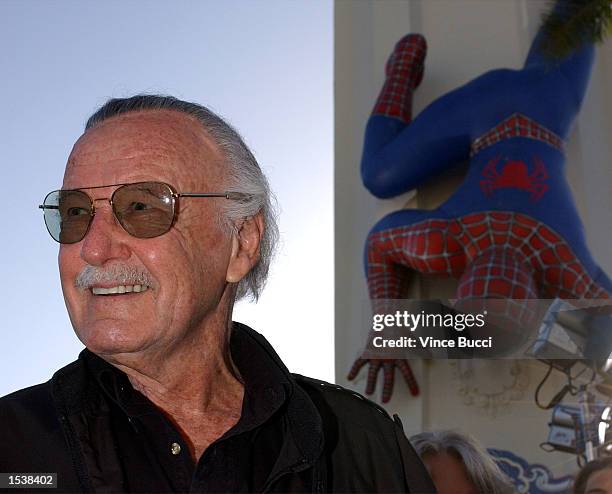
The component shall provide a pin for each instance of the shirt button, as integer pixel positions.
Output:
(175, 448)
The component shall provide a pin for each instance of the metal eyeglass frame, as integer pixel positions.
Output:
(234, 196)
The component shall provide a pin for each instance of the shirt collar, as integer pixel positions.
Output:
(267, 382)
(269, 389)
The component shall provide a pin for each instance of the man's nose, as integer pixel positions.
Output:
(105, 240)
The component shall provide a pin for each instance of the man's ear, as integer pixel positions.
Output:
(245, 248)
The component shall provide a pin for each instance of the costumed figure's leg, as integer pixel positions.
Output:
(565, 80)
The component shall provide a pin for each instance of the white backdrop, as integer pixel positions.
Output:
(266, 66)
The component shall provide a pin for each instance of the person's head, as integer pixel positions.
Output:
(180, 271)
(595, 477)
(458, 464)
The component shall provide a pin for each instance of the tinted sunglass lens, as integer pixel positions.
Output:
(145, 210)
(67, 215)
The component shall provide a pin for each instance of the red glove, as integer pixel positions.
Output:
(388, 366)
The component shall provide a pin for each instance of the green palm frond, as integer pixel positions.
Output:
(576, 22)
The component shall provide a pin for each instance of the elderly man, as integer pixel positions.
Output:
(164, 220)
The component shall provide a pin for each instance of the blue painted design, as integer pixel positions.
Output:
(530, 478)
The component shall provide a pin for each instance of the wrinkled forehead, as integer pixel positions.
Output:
(161, 145)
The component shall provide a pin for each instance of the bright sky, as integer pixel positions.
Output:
(266, 66)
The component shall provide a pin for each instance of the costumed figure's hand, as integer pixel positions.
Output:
(388, 366)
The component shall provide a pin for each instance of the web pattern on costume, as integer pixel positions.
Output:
(496, 254)
(404, 71)
(516, 125)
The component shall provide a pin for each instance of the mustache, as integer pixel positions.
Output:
(120, 274)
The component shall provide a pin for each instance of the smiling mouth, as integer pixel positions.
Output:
(119, 289)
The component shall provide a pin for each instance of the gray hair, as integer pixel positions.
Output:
(245, 175)
(482, 470)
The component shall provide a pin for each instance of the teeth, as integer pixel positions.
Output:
(119, 289)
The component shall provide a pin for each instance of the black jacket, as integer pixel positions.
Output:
(330, 439)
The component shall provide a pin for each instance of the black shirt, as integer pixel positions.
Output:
(153, 455)
(295, 434)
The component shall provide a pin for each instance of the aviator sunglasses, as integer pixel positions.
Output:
(143, 209)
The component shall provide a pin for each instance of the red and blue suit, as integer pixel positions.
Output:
(511, 229)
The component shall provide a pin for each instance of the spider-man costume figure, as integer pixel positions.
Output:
(511, 230)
